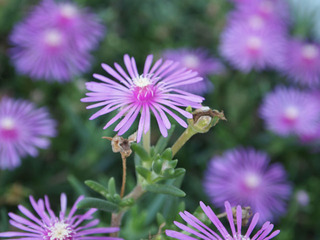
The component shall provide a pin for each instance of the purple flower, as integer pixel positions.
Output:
(197, 60)
(49, 226)
(291, 111)
(201, 231)
(23, 129)
(270, 10)
(156, 91)
(53, 43)
(251, 42)
(302, 62)
(244, 176)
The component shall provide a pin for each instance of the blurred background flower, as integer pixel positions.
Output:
(244, 176)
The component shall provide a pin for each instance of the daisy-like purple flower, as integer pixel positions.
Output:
(291, 111)
(200, 231)
(53, 43)
(154, 91)
(49, 226)
(197, 60)
(252, 43)
(302, 62)
(245, 177)
(23, 129)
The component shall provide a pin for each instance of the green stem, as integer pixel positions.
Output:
(185, 136)
(116, 218)
(146, 141)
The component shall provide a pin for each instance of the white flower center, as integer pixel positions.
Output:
(252, 180)
(310, 51)
(291, 112)
(7, 123)
(53, 37)
(142, 81)
(68, 10)
(60, 231)
(191, 61)
(256, 22)
(254, 43)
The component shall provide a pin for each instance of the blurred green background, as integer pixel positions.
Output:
(141, 27)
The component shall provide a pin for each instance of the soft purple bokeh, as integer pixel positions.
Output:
(253, 40)
(49, 226)
(198, 60)
(302, 62)
(302, 197)
(200, 231)
(23, 129)
(154, 91)
(246, 177)
(289, 111)
(54, 41)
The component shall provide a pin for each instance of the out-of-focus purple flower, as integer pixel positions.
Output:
(270, 10)
(201, 231)
(53, 43)
(313, 136)
(302, 62)
(250, 42)
(291, 111)
(49, 226)
(155, 90)
(244, 176)
(197, 60)
(23, 129)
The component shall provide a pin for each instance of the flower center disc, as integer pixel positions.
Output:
(310, 52)
(68, 11)
(8, 128)
(143, 90)
(60, 231)
(252, 181)
(53, 38)
(291, 113)
(254, 44)
(191, 61)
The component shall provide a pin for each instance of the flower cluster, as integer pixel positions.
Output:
(201, 231)
(55, 41)
(23, 129)
(49, 226)
(244, 176)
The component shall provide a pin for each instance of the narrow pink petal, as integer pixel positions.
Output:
(147, 65)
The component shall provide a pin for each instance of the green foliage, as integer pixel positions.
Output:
(99, 204)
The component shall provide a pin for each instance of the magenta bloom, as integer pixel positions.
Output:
(23, 129)
(302, 62)
(197, 60)
(49, 226)
(244, 176)
(156, 91)
(53, 43)
(252, 43)
(290, 111)
(201, 231)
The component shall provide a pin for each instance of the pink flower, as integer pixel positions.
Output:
(154, 91)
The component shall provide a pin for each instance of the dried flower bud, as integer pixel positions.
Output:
(122, 145)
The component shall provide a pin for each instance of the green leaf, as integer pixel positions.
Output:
(112, 187)
(145, 173)
(163, 141)
(178, 172)
(157, 166)
(141, 152)
(167, 154)
(97, 187)
(165, 189)
(100, 204)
